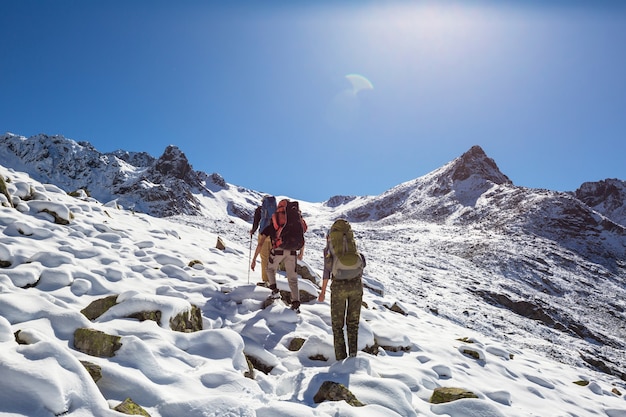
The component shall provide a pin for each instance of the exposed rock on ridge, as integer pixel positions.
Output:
(607, 197)
(161, 187)
(435, 196)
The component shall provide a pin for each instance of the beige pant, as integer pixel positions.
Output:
(265, 257)
(289, 258)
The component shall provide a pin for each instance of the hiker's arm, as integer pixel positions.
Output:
(323, 292)
(257, 251)
(328, 264)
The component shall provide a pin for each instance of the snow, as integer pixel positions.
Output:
(57, 270)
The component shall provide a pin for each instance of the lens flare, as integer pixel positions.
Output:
(359, 83)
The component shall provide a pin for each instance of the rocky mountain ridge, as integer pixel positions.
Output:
(162, 186)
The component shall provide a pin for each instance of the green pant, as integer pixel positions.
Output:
(345, 309)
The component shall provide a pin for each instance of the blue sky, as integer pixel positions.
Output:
(315, 99)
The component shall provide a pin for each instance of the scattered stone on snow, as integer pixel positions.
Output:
(306, 272)
(98, 307)
(372, 350)
(397, 308)
(18, 339)
(94, 370)
(296, 344)
(96, 343)
(5, 192)
(305, 297)
(259, 365)
(447, 394)
(194, 262)
(471, 353)
(334, 391)
(147, 315)
(250, 372)
(128, 406)
(190, 321)
(220, 244)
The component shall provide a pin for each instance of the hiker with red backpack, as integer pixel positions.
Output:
(344, 265)
(263, 217)
(286, 233)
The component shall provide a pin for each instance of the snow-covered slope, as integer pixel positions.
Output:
(548, 268)
(59, 254)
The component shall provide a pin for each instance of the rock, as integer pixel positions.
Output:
(94, 370)
(194, 262)
(306, 272)
(96, 343)
(296, 344)
(397, 308)
(220, 244)
(128, 406)
(305, 296)
(250, 372)
(4, 191)
(147, 315)
(259, 365)
(190, 321)
(18, 339)
(448, 394)
(99, 307)
(333, 391)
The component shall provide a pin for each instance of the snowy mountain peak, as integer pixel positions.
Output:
(475, 162)
(173, 163)
(439, 195)
(607, 197)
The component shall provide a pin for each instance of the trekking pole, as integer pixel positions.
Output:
(249, 258)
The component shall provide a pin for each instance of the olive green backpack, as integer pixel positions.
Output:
(347, 261)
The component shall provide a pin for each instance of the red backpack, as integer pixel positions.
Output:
(289, 225)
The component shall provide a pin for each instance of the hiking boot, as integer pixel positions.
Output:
(295, 306)
(275, 295)
(262, 284)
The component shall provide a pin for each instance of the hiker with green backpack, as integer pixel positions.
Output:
(344, 264)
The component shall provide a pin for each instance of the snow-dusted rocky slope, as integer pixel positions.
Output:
(540, 268)
(161, 186)
(430, 329)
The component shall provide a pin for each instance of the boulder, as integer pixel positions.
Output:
(98, 307)
(96, 343)
(448, 394)
(334, 391)
(190, 321)
(94, 370)
(296, 344)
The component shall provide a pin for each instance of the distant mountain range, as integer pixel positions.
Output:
(553, 259)
(168, 185)
(161, 187)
